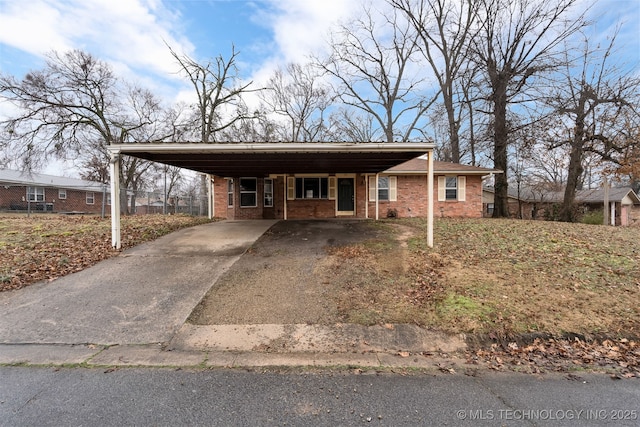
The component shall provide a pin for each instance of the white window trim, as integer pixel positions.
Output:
(461, 190)
(393, 188)
(62, 194)
(36, 191)
(319, 177)
(269, 203)
(230, 190)
(248, 192)
(92, 197)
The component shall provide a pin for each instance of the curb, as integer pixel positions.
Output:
(156, 355)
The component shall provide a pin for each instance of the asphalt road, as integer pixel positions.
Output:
(162, 397)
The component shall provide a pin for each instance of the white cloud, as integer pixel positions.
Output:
(25, 25)
(129, 34)
(301, 27)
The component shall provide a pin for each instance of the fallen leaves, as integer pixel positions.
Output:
(621, 357)
(45, 247)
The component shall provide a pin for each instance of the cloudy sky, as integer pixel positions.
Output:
(131, 34)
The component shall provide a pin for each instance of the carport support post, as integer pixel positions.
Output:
(210, 197)
(430, 199)
(284, 214)
(377, 204)
(114, 176)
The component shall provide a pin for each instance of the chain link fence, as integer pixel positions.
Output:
(146, 202)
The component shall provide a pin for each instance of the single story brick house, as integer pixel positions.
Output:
(288, 180)
(401, 190)
(21, 191)
(537, 203)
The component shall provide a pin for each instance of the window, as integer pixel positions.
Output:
(62, 194)
(383, 188)
(387, 188)
(451, 188)
(268, 193)
(230, 193)
(90, 197)
(35, 194)
(248, 192)
(312, 188)
(490, 207)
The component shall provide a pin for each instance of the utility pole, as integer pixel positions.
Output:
(606, 202)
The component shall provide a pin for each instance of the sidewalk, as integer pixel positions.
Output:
(130, 310)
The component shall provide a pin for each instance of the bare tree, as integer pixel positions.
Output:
(629, 166)
(298, 94)
(444, 29)
(219, 93)
(377, 73)
(593, 95)
(75, 98)
(517, 41)
(350, 126)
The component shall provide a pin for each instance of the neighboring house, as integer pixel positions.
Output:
(20, 191)
(401, 192)
(624, 203)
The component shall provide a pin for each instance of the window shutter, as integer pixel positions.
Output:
(372, 188)
(462, 191)
(291, 188)
(441, 188)
(393, 188)
(332, 188)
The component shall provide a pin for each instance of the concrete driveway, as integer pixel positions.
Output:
(144, 295)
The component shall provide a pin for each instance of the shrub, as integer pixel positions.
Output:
(593, 217)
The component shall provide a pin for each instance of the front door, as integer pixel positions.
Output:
(345, 195)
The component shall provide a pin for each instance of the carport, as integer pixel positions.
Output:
(267, 159)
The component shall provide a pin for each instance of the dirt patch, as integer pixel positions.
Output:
(285, 277)
(572, 288)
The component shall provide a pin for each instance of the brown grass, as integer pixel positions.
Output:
(496, 276)
(47, 246)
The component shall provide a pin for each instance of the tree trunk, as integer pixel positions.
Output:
(501, 142)
(567, 211)
(454, 140)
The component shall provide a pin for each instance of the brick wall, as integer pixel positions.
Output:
(220, 198)
(311, 208)
(14, 198)
(412, 200)
(223, 210)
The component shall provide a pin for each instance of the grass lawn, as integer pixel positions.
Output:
(47, 246)
(496, 277)
(484, 276)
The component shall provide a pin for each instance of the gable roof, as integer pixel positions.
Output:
(624, 195)
(19, 178)
(615, 195)
(418, 165)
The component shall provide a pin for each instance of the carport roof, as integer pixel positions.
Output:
(261, 159)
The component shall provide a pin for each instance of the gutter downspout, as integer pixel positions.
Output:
(114, 176)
